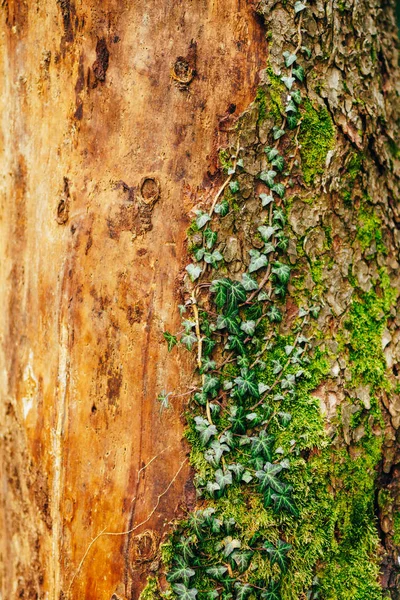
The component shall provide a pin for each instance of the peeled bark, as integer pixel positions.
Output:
(113, 116)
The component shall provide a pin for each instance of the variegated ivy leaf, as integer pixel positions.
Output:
(202, 218)
(229, 545)
(227, 385)
(188, 324)
(288, 382)
(274, 314)
(239, 163)
(291, 107)
(212, 257)
(269, 247)
(278, 132)
(234, 187)
(188, 339)
(182, 309)
(268, 478)
(296, 96)
(288, 349)
(223, 478)
(210, 237)
(212, 487)
(276, 367)
(271, 153)
(266, 199)
(194, 271)
(299, 73)
(237, 469)
(257, 262)
(266, 232)
(306, 51)
(222, 208)
(299, 6)
(279, 216)
(205, 429)
(279, 163)
(261, 297)
(227, 438)
(231, 170)
(180, 572)
(262, 387)
(247, 477)
(252, 416)
(285, 464)
(217, 572)
(303, 312)
(211, 384)
(242, 590)
(268, 177)
(199, 254)
(249, 283)
(288, 81)
(289, 58)
(208, 364)
(183, 592)
(292, 122)
(285, 419)
(282, 271)
(248, 327)
(279, 189)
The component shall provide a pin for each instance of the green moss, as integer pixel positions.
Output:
(151, 591)
(275, 91)
(396, 527)
(261, 100)
(225, 160)
(317, 135)
(370, 229)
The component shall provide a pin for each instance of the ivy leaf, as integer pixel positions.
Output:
(314, 311)
(234, 187)
(288, 81)
(268, 478)
(274, 314)
(276, 367)
(212, 595)
(249, 283)
(208, 365)
(235, 343)
(289, 349)
(262, 387)
(247, 477)
(194, 271)
(262, 445)
(230, 545)
(181, 572)
(211, 258)
(289, 382)
(223, 478)
(296, 96)
(299, 6)
(212, 487)
(284, 502)
(238, 419)
(306, 51)
(202, 218)
(230, 322)
(268, 177)
(188, 339)
(266, 199)
(235, 294)
(282, 272)
(258, 262)
(197, 522)
(271, 153)
(222, 208)
(211, 384)
(246, 384)
(278, 132)
(242, 590)
(283, 243)
(279, 163)
(248, 327)
(210, 237)
(183, 592)
(199, 254)
(292, 121)
(242, 560)
(299, 73)
(172, 340)
(218, 286)
(279, 189)
(279, 217)
(284, 418)
(272, 592)
(217, 572)
(266, 232)
(291, 107)
(184, 546)
(278, 554)
(205, 429)
(237, 469)
(289, 58)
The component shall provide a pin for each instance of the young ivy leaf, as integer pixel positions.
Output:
(268, 478)
(299, 6)
(205, 429)
(266, 232)
(242, 560)
(279, 189)
(271, 153)
(171, 340)
(279, 216)
(211, 384)
(248, 327)
(202, 218)
(188, 339)
(194, 271)
(288, 81)
(299, 73)
(281, 271)
(234, 187)
(289, 58)
(222, 208)
(268, 177)
(211, 258)
(249, 283)
(278, 132)
(235, 294)
(229, 545)
(242, 591)
(284, 502)
(306, 51)
(291, 107)
(279, 163)
(296, 96)
(262, 445)
(247, 477)
(257, 262)
(272, 592)
(274, 314)
(266, 199)
(292, 121)
(210, 237)
(246, 384)
(223, 478)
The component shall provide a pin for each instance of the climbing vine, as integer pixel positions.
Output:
(253, 421)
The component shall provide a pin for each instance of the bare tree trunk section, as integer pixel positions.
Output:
(110, 119)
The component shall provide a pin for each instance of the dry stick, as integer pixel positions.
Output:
(119, 533)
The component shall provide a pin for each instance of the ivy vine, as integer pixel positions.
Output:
(249, 376)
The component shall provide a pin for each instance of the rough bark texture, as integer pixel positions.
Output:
(112, 117)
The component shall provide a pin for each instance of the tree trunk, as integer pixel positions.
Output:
(114, 118)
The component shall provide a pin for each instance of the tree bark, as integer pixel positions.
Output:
(114, 114)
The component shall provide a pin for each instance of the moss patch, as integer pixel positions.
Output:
(317, 135)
